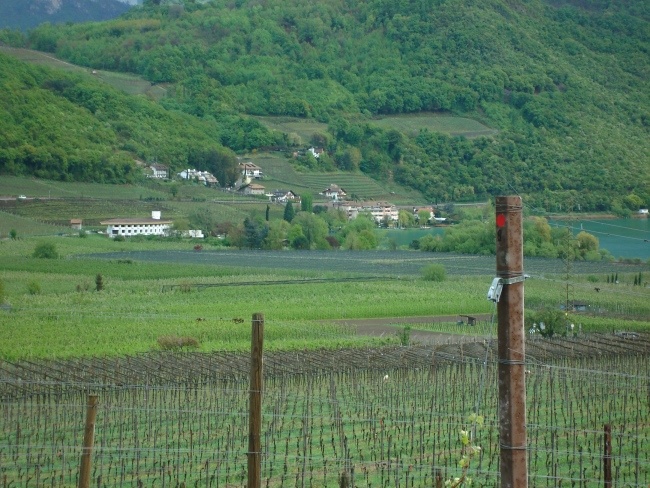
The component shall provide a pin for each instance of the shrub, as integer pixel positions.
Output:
(176, 343)
(45, 250)
(2, 291)
(99, 282)
(404, 335)
(83, 287)
(548, 323)
(434, 272)
(34, 288)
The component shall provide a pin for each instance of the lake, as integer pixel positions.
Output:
(624, 238)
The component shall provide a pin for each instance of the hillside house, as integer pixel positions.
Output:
(334, 192)
(252, 189)
(316, 151)
(380, 211)
(76, 224)
(284, 196)
(205, 177)
(251, 170)
(158, 171)
(128, 227)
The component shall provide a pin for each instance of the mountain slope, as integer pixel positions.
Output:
(26, 14)
(566, 87)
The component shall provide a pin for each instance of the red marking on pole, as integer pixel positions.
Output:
(501, 220)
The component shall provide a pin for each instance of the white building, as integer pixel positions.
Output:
(204, 177)
(158, 171)
(380, 211)
(128, 227)
(250, 170)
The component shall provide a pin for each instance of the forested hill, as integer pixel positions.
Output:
(566, 83)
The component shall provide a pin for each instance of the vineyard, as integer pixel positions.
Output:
(384, 416)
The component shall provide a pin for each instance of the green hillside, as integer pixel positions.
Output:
(550, 100)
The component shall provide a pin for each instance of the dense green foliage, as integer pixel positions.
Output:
(565, 86)
(65, 126)
(540, 240)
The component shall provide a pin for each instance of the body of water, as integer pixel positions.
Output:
(624, 238)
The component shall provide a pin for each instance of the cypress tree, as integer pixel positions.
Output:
(288, 212)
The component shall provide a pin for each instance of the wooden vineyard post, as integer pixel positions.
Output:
(89, 439)
(607, 456)
(255, 415)
(511, 343)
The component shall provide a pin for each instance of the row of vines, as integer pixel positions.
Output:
(392, 426)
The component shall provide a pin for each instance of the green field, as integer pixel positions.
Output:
(447, 124)
(56, 312)
(128, 83)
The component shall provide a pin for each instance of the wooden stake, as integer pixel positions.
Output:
(89, 439)
(255, 415)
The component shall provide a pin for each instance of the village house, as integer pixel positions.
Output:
(252, 189)
(284, 196)
(380, 211)
(128, 227)
(158, 171)
(432, 215)
(205, 177)
(251, 170)
(316, 151)
(334, 192)
(76, 224)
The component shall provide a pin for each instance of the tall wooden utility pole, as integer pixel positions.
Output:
(255, 415)
(511, 338)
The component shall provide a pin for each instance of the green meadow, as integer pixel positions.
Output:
(154, 288)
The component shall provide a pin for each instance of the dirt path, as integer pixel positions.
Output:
(387, 326)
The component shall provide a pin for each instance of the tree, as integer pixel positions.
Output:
(314, 229)
(276, 237)
(434, 272)
(45, 250)
(99, 282)
(289, 212)
(306, 202)
(254, 233)
(405, 219)
(268, 211)
(13, 234)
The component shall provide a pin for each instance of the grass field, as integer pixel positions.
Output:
(128, 83)
(54, 310)
(447, 124)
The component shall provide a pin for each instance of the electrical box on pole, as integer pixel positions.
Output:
(507, 291)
